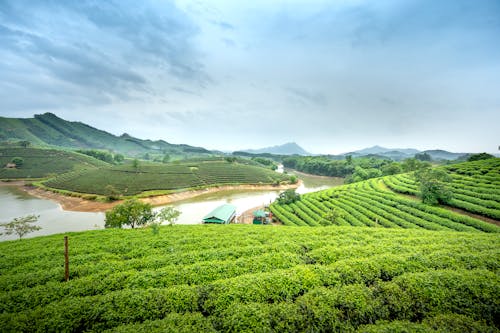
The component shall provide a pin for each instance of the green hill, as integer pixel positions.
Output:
(40, 163)
(48, 130)
(253, 278)
(127, 180)
(374, 203)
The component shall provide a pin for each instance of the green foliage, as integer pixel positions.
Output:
(287, 197)
(166, 158)
(480, 156)
(433, 184)
(24, 143)
(203, 279)
(230, 159)
(423, 157)
(118, 158)
(99, 154)
(135, 163)
(168, 214)
(413, 164)
(392, 169)
(21, 225)
(132, 213)
(18, 161)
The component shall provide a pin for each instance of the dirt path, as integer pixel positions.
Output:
(81, 205)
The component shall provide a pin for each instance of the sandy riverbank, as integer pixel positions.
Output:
(81, 205)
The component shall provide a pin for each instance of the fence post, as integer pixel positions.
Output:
(66, 259)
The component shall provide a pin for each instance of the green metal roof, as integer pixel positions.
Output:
(259, 213)
(221, 214)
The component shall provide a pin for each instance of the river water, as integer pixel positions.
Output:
(53, 219)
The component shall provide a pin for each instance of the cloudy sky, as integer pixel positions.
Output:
(333, 76)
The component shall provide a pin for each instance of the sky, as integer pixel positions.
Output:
(333, 76)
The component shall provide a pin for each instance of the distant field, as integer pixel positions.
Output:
(39, 163)
(253, 278)
(476, 188)
(153, 177)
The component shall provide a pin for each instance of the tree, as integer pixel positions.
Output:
(423, 157)
(166, 158)
(24, 143)
(132, 213)
(433, 185)
(481, 156)
(288, 197)
(392, 169)
(21, 225)
(168, 214)
(118, 158)
(348, 159)
(112, 193)
(135, 163)
(18, 161)
(331, 217)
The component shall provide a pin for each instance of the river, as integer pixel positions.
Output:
(53, 219)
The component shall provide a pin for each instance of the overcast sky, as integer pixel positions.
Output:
(333, 76)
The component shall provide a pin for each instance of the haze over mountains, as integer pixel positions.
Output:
(48, 130)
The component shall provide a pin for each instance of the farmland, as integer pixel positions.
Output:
(41, 163)
(374, 203)
(237, 278)
(127, 180)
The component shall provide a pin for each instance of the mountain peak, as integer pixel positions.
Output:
(289, 148)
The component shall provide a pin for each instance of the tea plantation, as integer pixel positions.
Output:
(238, 278)
(128, 180)
(374, 203)
(41, 163)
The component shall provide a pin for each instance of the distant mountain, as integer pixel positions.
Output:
(48, 130)
(382, 150)
(398, 154)
(438, 154)
(290, 148)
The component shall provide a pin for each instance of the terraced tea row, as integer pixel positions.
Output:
(234, 278)
(369, 203)
(131, 181)
(475, 186)
(40, 163)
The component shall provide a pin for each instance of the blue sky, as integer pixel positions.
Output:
(333, 76)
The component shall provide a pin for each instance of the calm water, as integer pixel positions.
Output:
(16, 203)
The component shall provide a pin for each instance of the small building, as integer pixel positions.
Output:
(221, 215)
(11, 166)
(261, 217)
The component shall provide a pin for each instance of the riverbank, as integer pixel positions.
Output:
(77, 204)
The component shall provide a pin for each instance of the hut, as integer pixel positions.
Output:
(11, 166)
(259, 217)
(221, 215)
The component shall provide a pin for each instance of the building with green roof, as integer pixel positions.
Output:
(221, 215)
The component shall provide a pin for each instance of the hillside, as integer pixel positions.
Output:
(40, 163)
(398, 154)
(48, 130)
(127, 180)
(373, 203)
(252, 278)
(290, 148)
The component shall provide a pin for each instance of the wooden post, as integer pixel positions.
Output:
(66, 259)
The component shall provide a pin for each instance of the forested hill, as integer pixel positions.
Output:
(48, 130)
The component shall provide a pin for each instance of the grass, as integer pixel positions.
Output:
(253, 278)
